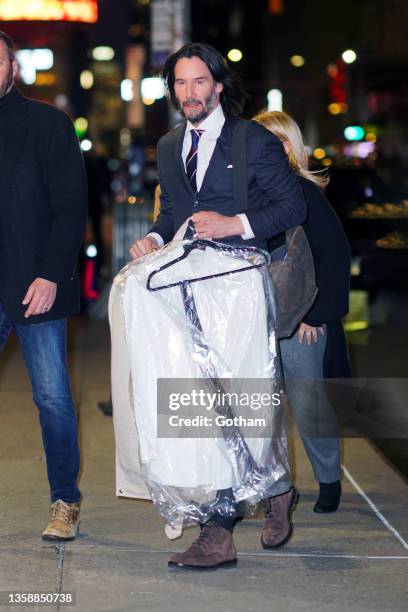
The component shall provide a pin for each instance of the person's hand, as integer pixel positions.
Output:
(143, 246)
(308, 333)
(40, 297)
(210, 224)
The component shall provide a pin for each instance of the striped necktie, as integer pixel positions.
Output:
(191, 161)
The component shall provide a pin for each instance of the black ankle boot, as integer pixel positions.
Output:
(329, 497)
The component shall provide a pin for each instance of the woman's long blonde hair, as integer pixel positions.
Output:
(287, 130)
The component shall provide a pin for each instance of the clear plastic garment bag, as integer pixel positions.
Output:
(201, 314)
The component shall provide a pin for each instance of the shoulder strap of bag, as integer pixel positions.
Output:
(239, 136)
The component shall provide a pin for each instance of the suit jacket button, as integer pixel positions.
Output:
(195, 202)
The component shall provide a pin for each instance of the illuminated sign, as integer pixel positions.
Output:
(49, 10)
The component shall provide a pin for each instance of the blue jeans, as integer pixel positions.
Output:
(304, 362)
(44, 350)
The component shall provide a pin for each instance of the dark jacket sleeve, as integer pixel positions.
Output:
(285, 204)
(331, 255)
(67, 189)
(164, 225)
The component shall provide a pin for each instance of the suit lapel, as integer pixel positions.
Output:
(221, 156)
(177, 155)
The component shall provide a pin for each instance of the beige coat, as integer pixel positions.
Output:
(129, 483)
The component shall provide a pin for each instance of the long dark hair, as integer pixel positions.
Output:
(5, 38)
(232, 97)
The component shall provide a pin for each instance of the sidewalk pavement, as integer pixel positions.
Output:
(354, 559)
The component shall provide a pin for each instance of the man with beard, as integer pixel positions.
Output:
(196, 181)
(43, 201)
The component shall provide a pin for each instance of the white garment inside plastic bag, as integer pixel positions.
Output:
(227, 334)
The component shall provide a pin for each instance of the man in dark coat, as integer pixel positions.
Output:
(43, 201)
(196, 180)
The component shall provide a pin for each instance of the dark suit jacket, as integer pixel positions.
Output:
(43, 201)
(275, 199)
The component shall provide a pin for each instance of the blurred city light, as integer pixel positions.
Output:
(28, 72)
(86, 79)
(46, 78)
(297, 61)
(332, 70)
(234, 55)
(61, 101)
(349, 56)
(334, 108)
(319, 153)
(152, 88)
(148, 101)
(85, 11)
(126, 90)
(86, 145)
(81, 126)
(354, 132)
(134, 169)
(43, 59)
(276, 7)
(350, 326)
(31, 60)
(355, 268)
(275, 100)
(359, 315)
(91, 251)
(125, 137)
(359, 149)
(327, 161)
(103, 54)
(337, 108)
(371, 137)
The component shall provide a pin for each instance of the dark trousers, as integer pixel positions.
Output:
(225, 509)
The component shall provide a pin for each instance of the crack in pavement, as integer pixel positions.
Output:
(60, 551)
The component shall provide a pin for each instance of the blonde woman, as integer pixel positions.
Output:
(318, 348)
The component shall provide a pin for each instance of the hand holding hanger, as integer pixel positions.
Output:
(209, 224)
(143, 247)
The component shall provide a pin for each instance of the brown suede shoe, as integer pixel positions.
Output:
(64, 522)
(213, 548)
(277, 527)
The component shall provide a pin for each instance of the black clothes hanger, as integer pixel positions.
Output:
(202, 245)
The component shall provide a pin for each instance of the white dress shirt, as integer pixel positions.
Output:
(212, 127)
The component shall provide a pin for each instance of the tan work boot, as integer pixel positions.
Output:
(64, 522)
(213, 548)
(277, 527)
